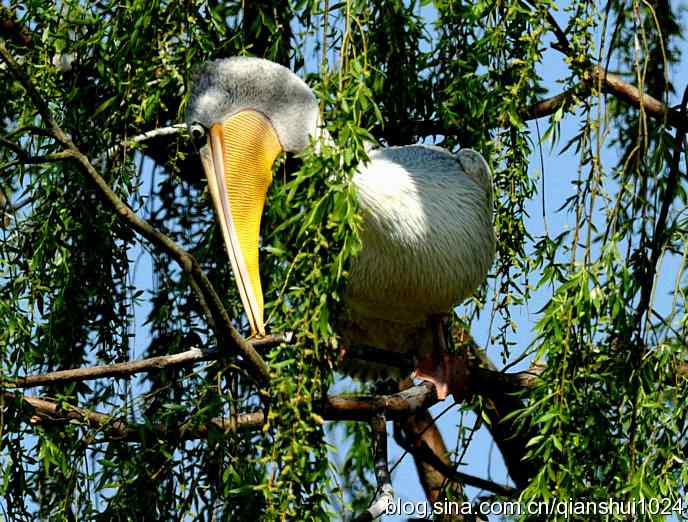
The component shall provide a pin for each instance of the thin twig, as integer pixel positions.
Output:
(179, 128)
(385, 492)
(126, 369)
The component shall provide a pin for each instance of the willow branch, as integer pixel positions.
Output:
(539, 109)
(413, 399)
(616, 86)
(126, 369)
(547, 106)
(251, 360)
(385, 492)
(364, 407)
(622, 90)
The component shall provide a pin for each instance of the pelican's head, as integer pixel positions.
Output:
(251, 109)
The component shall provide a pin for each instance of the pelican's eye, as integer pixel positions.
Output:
(198, 135)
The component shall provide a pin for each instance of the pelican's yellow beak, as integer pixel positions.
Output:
(238, 163)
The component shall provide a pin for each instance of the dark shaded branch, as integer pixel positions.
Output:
(421, 429)
(423, 452)
(483, 376)
(385, 492)
(562, 44)
(11, 29)
(648, 272)
(226, 332)
(659, 235)
(336, 407)
(46, 412)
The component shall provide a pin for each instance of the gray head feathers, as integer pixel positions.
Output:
(224, 87)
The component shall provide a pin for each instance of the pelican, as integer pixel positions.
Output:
(427, 239)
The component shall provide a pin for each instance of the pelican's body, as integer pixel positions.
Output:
(427, 235)
(427, 242)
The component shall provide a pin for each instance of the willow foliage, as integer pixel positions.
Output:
(608, 414)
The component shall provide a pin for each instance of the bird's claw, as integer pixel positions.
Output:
(448, 372)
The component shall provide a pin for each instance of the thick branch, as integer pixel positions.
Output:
(547, 106)
(47, 412)
(622, 90)
(332, 408)
(362, 407)
(254, 363)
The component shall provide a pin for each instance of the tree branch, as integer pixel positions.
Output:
(410, 404)
(659, 235)
(622, 90)
(337, 407)
(421, 429)
(547, 106)
(382, 476)
(252, 361)
(616, 86)
(126, 369)
(484, 381)
(364, 407)
(46, 412)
